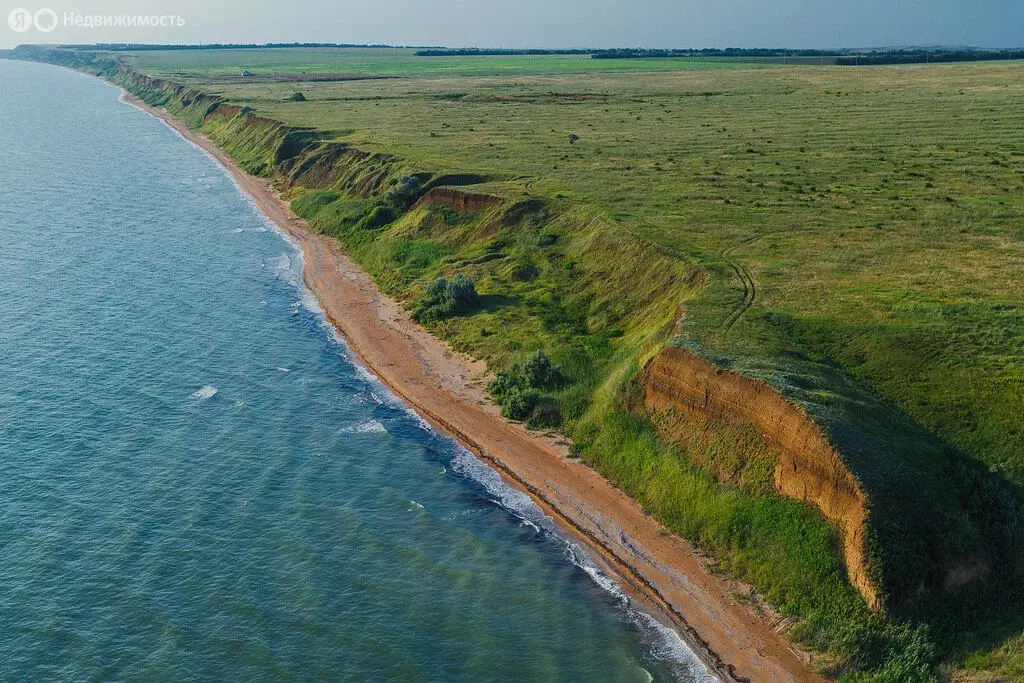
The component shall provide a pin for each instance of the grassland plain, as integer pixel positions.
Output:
(853, 237)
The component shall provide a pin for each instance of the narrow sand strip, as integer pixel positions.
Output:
(659, 571)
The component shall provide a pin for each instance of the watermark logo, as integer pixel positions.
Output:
(45, 20)
(20, 19)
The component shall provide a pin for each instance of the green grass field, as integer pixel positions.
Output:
(204, 66)
(852, 236)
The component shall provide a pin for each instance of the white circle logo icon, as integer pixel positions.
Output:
(46, 20)
(20, 20)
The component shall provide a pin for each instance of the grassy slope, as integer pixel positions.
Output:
(877, 211)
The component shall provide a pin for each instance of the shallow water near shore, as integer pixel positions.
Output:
(196, 481)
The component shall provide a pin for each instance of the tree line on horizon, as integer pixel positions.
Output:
(842, 57)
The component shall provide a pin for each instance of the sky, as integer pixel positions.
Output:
(542, 23)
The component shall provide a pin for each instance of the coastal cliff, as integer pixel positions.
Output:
(808, 469)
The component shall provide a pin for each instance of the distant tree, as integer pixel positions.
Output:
(298, 97)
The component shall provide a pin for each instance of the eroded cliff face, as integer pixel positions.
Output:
(458, 200)
(808, 468)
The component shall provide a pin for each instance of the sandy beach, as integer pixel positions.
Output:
(660, 571)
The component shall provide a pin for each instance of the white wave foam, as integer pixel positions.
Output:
(203, 394)
(420, 422)
(668, 646)
(366, 375)
(310, 303)
(286, 268)
(605, 582)
(283, 370)
(365, 427)
(513, 500)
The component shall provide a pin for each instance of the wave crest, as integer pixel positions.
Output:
(204, 393)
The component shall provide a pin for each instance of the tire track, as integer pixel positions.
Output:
(749, 296)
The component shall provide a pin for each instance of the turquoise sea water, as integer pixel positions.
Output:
(196, 483)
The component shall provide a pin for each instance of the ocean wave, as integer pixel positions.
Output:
(285, 268)
(420, 421)
(204, 393)
(365, 427)
(668, 646)
(513, 500)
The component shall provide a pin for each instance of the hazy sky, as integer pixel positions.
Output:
(552, 23)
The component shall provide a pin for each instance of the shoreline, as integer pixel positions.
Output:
(661, 572)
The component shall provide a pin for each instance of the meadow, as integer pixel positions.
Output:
(853, 236)
(207, 66)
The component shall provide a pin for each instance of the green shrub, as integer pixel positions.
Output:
(447, 298)
(462, 290)
(297, 97)
(405, 191)
(378, 217)
(546, 413)
(503, 385)
(518, 404)
(539, 373)
(520, 392)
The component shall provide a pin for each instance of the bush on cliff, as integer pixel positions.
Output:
(378, 217)
(520, 392)
(405, 192)
(447, 298)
